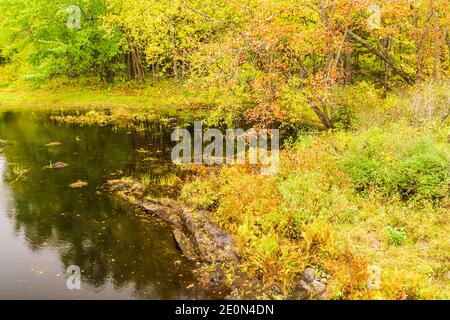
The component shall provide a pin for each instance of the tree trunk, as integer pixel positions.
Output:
(447, 39)
(324, 116)
(135, 67)
(383, 56)
(417, 44)
(329, 38)
(436, 47)
(348, 67)
(129, 67)
(174, 54)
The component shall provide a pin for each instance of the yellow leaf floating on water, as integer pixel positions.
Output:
(53, 144)
(78, 184)
(142, 150)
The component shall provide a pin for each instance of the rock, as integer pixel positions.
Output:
(300, 291)
(125, 186)
(201, 241)
(304, 291)
(375, 243)
(212, 244)
(196, 236)
(309, 275)
(309, 287)
(248, 288)
(318, 288)
(185, 245)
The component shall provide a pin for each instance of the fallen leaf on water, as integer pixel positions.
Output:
(78, 184)
(142, 150)
(57, 165)
(53, 144)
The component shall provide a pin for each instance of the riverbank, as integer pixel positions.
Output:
(163, 96)
(363, 213)
(219, 267)
(368, 211)
(365, 208)
(101, 105)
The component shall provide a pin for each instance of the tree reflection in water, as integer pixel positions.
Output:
(112, 244)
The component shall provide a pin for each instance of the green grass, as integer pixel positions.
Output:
(162, 96)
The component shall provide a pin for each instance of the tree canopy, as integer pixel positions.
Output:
(255, 48)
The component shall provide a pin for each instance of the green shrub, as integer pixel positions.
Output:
(356, 104)
(398, 160)
(396, 236)
(421, 174)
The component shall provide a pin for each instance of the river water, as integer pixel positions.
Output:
(45, 226)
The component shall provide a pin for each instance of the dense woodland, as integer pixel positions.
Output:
(266, 52)
(359, 88)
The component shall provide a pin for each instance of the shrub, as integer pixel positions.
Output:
(355, 105)
(396, 236)
(199, 194)
(421, 174)
(398, 160)
(308, 197)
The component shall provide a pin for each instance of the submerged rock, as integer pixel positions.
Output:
(200, 240)
(196, 236)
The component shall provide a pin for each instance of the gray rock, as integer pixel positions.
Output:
(318, 287)
(197, 237)
(310, 287)
(300, 291)
(309, 275)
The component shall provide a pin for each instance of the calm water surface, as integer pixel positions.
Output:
(45, 226)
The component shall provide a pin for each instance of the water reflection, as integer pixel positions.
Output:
(46, 226)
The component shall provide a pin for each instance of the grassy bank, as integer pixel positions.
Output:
(123, 104)
(371, 196)
(346, 204)
(69, 94)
